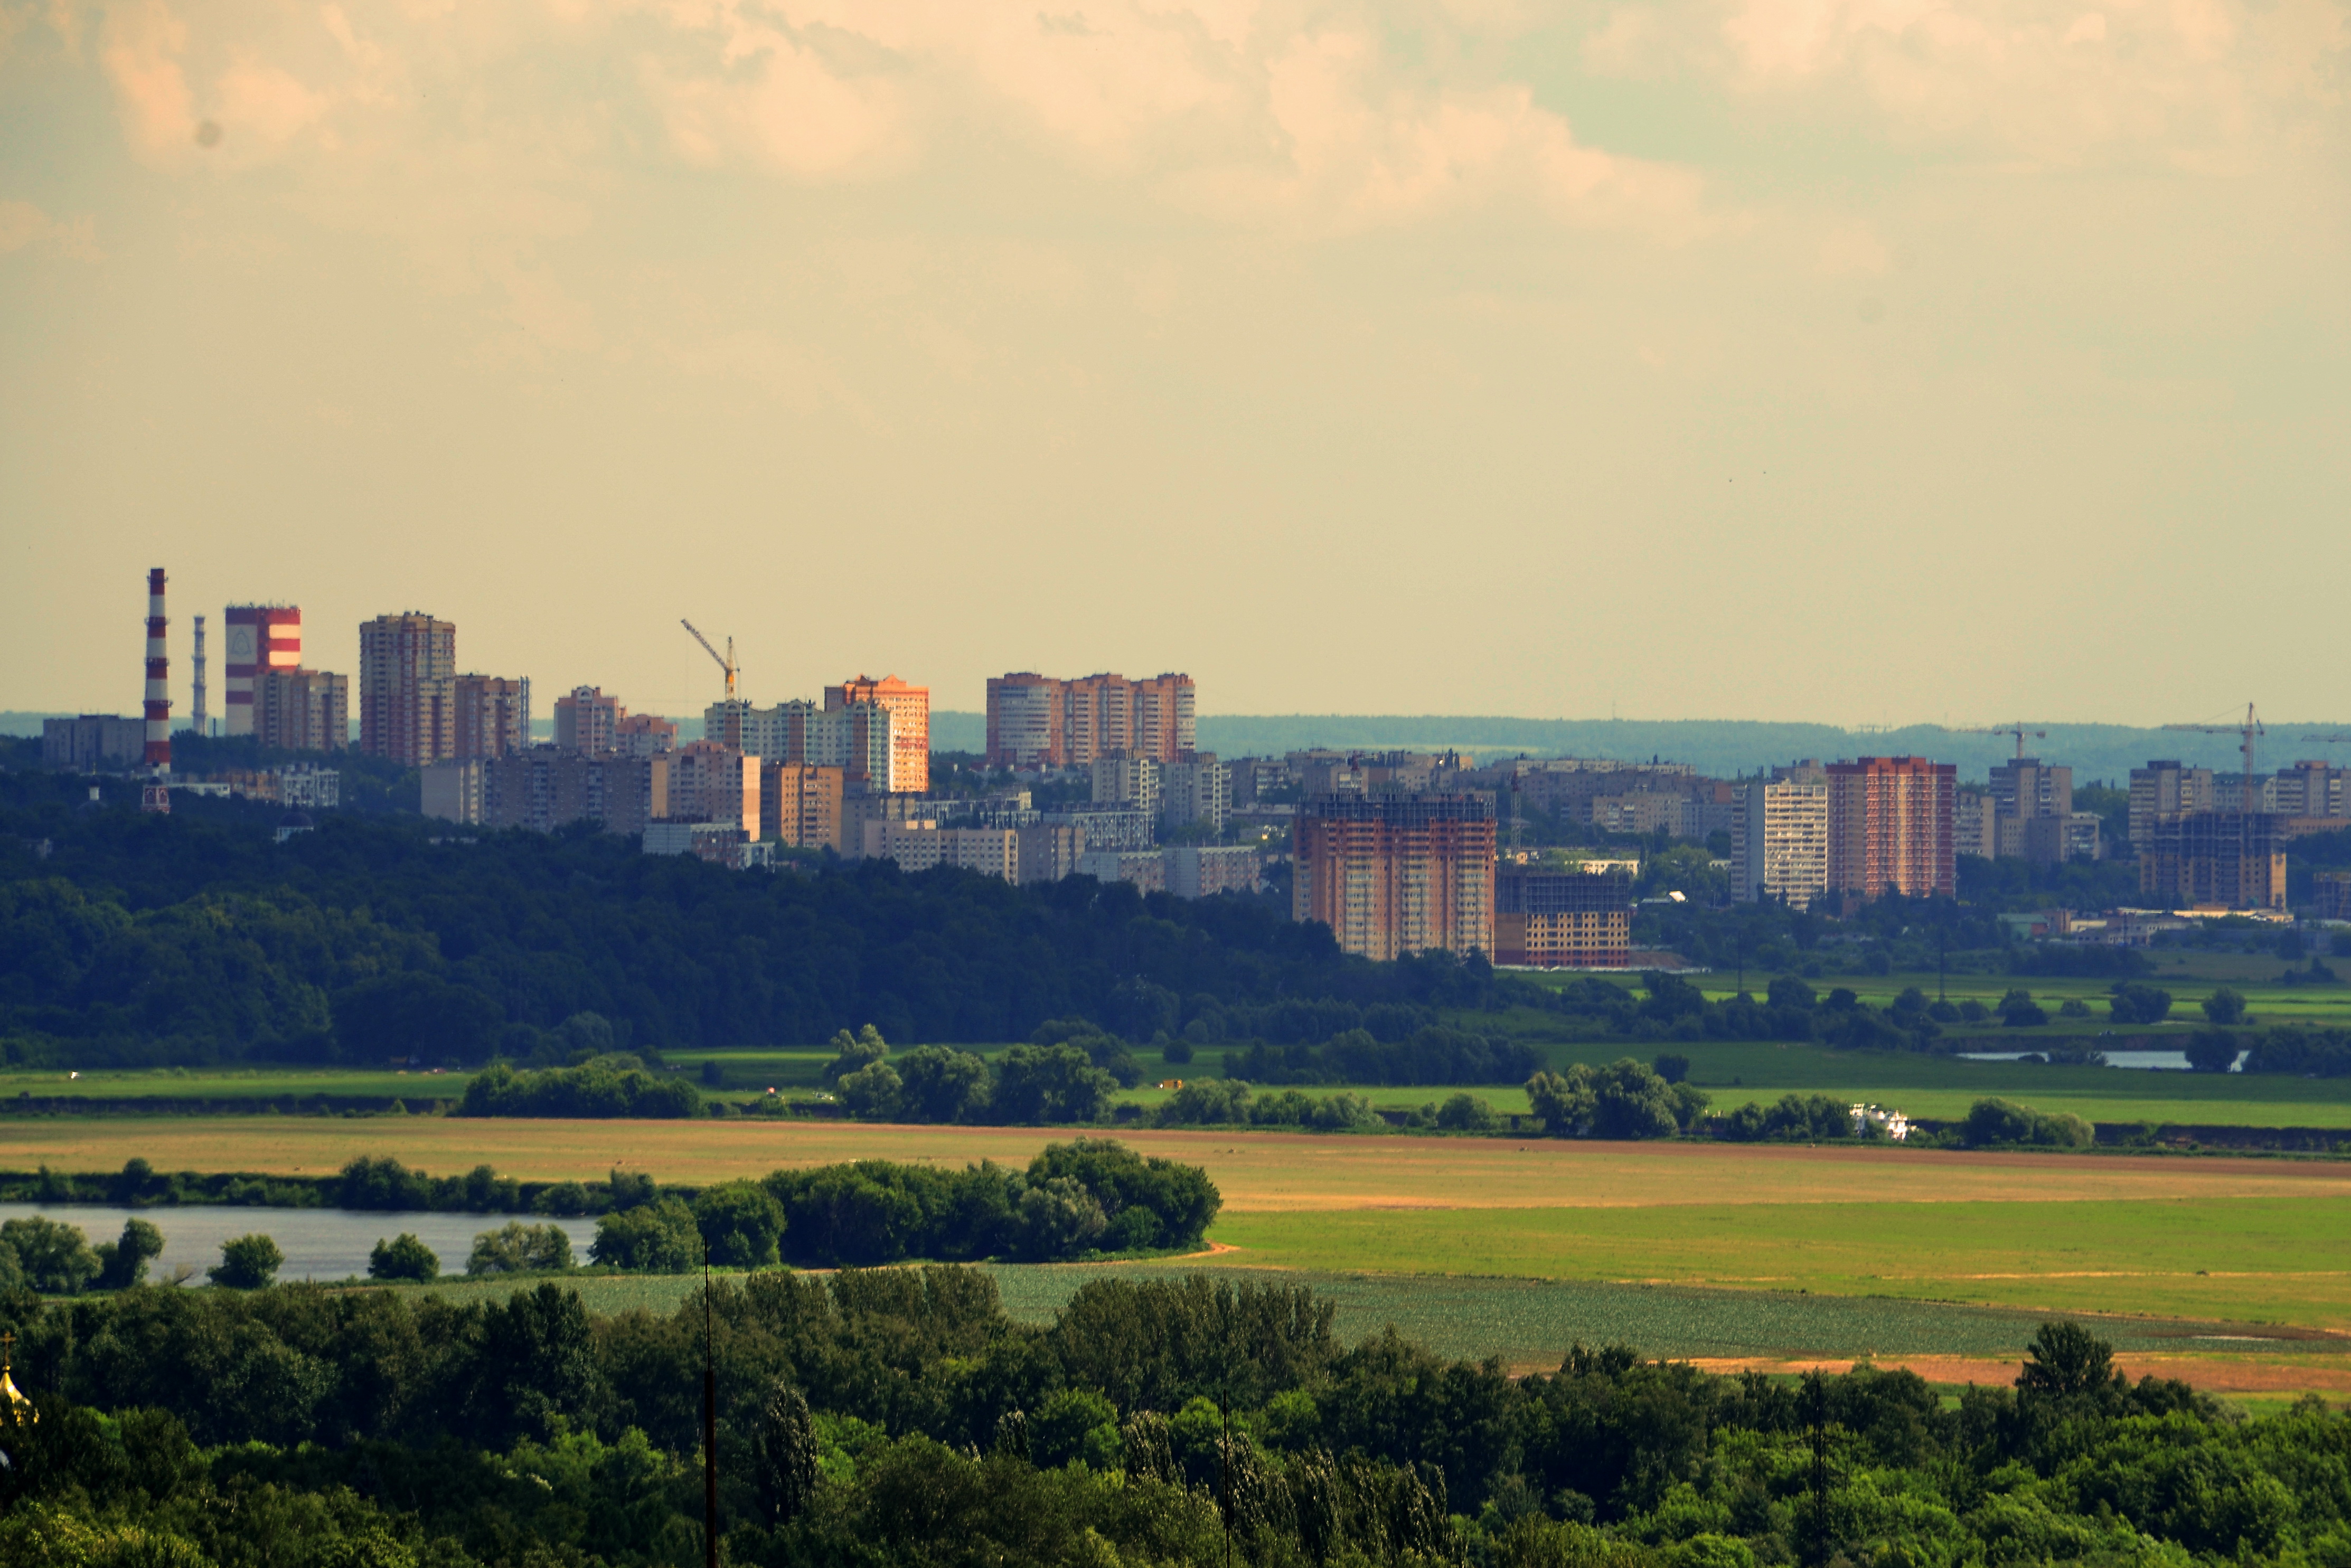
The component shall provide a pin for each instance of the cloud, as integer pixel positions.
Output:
(23, 226)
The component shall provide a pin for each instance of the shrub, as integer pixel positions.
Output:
(247, 1263)
(402, 1258)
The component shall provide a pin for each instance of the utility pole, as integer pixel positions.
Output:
(709, 1425)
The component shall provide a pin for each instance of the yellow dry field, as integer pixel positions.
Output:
(1258, 1173)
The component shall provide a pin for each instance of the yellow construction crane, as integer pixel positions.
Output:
(726, 664)
(2017, 729)
(2250, 729)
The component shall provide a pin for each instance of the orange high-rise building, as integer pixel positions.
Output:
(1890, 827)
(408, 688)
(1398, 874)
(909, 708)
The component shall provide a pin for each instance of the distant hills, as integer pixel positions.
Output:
(1722, 748)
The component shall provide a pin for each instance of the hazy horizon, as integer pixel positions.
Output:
(1807, 360)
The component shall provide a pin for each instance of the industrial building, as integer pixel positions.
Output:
(260, 639)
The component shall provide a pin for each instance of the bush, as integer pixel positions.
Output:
(402, 1258)
(247, 1263)
(518, 1248)
(1993, 1121)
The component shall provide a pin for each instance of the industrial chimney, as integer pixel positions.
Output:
(197, 719)
(156, 795)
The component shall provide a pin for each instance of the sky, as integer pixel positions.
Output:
(1835, 361)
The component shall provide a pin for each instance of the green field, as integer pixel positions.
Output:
(2279, 1260)
(1531, 1323)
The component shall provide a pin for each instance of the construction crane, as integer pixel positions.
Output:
(2017, 729)
(2250, 729)
(2329, 740)
(725, 663)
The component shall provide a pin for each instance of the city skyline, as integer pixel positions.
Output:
(1544, 360)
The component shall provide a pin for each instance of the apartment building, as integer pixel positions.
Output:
(493, 716)
(544, 789)
(643, 734)
(1975, 824)
(1398, 874)
(909, 734)
(1195, 790)
(860, 738)
(1146, 869)
(588, 721)
(1780, 836)
(713, 783)
(1040, 721)
(1563, 919)
(1890, 827)
(92, 740)
(300, 710)
(800, 805)
(1125, 780)
(408, 688)
(1205, 871)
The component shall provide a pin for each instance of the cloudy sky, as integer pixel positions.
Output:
(1857, 360)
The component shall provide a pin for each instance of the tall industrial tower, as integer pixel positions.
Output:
(196, 718)
(155, 795)
(261, 638)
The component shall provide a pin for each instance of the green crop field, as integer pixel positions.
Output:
(2281, 1261)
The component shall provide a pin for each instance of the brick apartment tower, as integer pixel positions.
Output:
(493, 716)
(1890, 827)
(408, 688)
(1398, 874)
(909, 708)
(1039, 721)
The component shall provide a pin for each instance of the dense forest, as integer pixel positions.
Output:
(899, 1415)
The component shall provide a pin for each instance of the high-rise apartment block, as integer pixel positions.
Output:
(1195, 790)
(261, 638)
(408, 688)
(1780, 836)
(301, 710)
(493, 716)
(859, 738)
(799, 805)
(2164, 789)
(643, 734)
(713, 783)
(1553, 919)
(909, 708)
(1038, 721)
(587, 721)
(1890, 827)
(1124, 780)
(1398, 874)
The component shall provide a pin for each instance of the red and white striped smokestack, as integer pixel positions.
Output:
(158, 755)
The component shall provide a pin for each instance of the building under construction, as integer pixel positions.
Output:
(2234, 860)
(1563, 919)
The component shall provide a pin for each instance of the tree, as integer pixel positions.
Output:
(2137, 1002)
(1563, 1104)
(2066, 1358)
(872, 1093)
(518, 1248)
(2226, 1007)
(1672, 1066)
(122, 1264)
(1057, 1219)
(402, 1258)
(2211, 1051)
(656, 1237)
(855, 1052)
(55, 1259)
(1048, 1083)
(786, 1456)
(1466, 1113)
(2017, 1009)
(938, 1084)
(741, 1223)
(247, 1263)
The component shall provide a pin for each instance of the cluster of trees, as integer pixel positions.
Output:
(615, 1085)
(1995, 1122)
(1622, 1100)
(197, 937)
(1431, 1054)
(1231, 1102)
(900, 1415)
(2304, 1051)
(1068, 1073)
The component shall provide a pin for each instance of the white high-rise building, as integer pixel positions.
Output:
(1780, 835)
